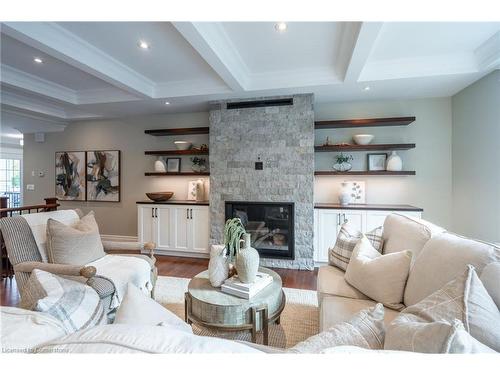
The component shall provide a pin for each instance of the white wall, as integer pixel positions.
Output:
(430, 189)
(126, 135)
(476, 159)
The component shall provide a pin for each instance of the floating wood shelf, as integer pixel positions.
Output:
(177, 174)
(177, 152)
(365, 173)
(177, 131)
(375, 147)
(367, 122)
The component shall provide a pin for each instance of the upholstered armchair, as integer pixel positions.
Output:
(25, 256)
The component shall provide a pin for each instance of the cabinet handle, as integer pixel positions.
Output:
(152, 212)
(156, 212)
(338, 219)
(191, 214)
(187, 213)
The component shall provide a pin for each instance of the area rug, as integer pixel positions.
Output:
(299, 319)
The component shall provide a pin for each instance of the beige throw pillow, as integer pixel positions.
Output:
(465, 299)
(79, 244)
(380, 277)
(365, 330)
(348, 237)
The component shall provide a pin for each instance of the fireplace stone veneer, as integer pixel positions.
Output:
(282, 138)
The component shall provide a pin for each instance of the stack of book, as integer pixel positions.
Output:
(235, 287)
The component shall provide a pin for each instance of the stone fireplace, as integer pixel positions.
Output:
(265, 153)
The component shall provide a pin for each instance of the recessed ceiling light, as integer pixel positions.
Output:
(38, 60)
(366, 88)
(280, 27)
(167, 103)
(143, 44)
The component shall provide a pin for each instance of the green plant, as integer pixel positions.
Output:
(233, 231)
(342, 158)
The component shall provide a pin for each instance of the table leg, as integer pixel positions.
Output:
(187, 308)
(264, 318)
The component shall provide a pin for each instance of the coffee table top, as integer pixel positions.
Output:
(200, 289)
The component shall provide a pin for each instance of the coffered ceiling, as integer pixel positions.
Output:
(99, 69)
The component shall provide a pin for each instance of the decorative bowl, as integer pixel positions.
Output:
(183, 145)
(363, 139)
(160, 196)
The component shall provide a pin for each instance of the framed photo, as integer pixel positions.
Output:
(173, 165)
(70, 175)
(103, 176)
(376, 162)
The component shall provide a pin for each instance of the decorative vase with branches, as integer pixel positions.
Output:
(342, 162)
(233, 232)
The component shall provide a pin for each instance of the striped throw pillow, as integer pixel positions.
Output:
(348, 237)
(75, 304)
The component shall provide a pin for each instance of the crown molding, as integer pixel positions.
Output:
(488, 54)
(190, 88)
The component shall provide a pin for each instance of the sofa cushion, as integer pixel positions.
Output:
(335, 309)
(365, 329)
(380, 277)
(444, 258)
(137, 308)
(490, 277)
(348, 237)
(465, 299)
(331, 281)
(407, 233)
(76, 244)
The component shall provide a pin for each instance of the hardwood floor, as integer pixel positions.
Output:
(181, 267)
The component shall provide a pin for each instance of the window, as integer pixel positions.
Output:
(10, 180)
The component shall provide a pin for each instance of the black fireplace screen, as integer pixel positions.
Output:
(270, 224)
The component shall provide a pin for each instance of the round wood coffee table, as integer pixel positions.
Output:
(209, 307)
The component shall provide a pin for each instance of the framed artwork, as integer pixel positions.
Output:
(357, 189)
(103, 176)
(173, 165)
(376, 162)
(70, 175)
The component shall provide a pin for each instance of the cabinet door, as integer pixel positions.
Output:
(327, 230)
(146, 230)
(179, 228)
(163, 225)
(354, 218)
(198, 228)
(376, 219)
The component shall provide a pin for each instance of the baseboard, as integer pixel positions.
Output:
(118, 238)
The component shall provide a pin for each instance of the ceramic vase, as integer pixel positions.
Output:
(247, 261)
(160, 166)
(218, 266)
(345, 194)
(394, 162)
(342, 167)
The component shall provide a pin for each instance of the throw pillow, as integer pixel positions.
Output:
(348, 237)
(380, 277)
(407, 333)
(78, 244)
(366, 330)
(138, 308)
(75, 304)
(467, 300)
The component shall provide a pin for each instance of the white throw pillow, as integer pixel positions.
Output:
(380, 277)
(465, 299)
(490, 277)
(366, 330)
(74, 304)
(137, 308)
(407, 333)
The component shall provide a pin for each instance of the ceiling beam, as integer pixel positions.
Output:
(356, 45)
(213, 44)
(488, 54)
(58, 42)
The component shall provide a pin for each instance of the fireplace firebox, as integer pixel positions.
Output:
(270, 224)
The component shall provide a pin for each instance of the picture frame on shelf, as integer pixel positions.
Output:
(173, 165)
(376, 162)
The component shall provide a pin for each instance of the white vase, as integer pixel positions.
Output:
(247, 261)
(218, 266)
(160, 166)
(345, 194)
(394, 162)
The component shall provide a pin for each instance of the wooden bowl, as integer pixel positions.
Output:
(160, 196)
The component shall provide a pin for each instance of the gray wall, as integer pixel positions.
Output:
(126, 135)
(431, 159)
(283, 138)
(476, 159)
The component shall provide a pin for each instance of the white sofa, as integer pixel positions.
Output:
(438, 257)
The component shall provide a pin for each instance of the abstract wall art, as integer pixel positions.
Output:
(103, 176)
(70, 175)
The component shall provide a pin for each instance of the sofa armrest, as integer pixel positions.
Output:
(58, 269)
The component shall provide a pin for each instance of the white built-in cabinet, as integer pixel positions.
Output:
(176, 229)
(327, 223)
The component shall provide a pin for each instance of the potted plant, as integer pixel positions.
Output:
(342, 162)
(199, 164)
